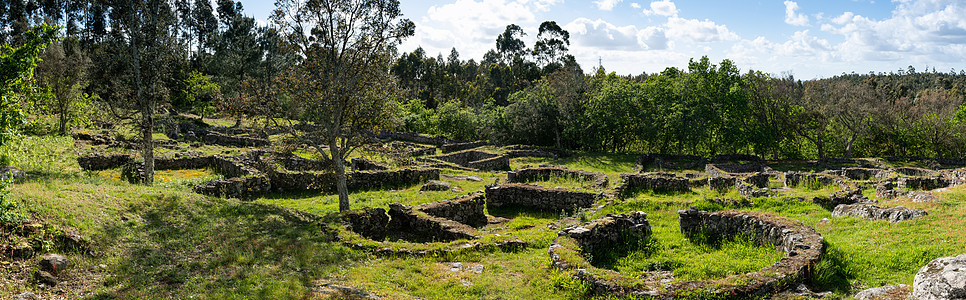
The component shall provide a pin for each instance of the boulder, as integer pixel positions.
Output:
(872, 212)
(436, 185)
(890, 292)
(54, 263)
(943, 278)
(46, 278)
(12, 173)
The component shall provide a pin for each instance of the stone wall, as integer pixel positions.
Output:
(610, 233)
(476, 160)
(872, 212)
(362, 164)
(532, 151)
(860, 173)
(629, 182)
(925, 183)
(918, 172)
(523, 175)
(238, 187)
(214, 138)
(758, 180)
(466, 209)
(97, 161)
(726, 169)
(722, 183)
(453, 147)
(284, 180)
(802, 246)
(538, 198)
(417, 226)
(371, 223)
(794, 179)
(737, 158)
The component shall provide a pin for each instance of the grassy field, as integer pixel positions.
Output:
(166, 242)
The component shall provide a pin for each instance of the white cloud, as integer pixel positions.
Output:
(844, 18)
(635, 5)
(603, 35)
(698, 31)
(792, 17)
(662, 8)
(606, 4)
(653, 38)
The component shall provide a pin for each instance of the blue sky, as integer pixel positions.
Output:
(808, 38)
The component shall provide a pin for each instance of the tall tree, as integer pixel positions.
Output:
(343, 83)
(551, 46)
(509, 45)
(16, 75)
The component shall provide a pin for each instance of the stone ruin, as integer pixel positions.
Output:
(655, 182)
(872, 212)
(479, 160)
(803, 248)
(362, 164)
(543, 173)
(532, 151)
(607, 234)
(538, 198)
(257, 172)
(438, 222)
(453, 147)
(859, 173)
(664, 161)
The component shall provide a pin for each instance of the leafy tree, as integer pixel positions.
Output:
(551, 46)
(343, 84)
(509, 44)
(201, 93)
(16, 75)
(63, 74)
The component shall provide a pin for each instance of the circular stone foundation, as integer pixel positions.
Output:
(802, 246)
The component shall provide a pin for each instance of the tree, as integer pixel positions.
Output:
(16, 75)
(63, 74)
(509, 44)
(343, 84)
(551, 46)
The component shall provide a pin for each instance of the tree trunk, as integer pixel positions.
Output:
(340, 178)
(147, 127)
(848, 145)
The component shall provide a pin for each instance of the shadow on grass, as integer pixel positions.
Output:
(219, 248)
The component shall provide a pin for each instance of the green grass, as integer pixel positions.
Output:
(166, 242)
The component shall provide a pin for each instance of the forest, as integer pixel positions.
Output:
(216, 61)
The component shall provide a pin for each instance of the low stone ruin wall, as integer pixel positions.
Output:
(727, 169)
(213, 138)
(793, 178)
(722, 183)
(859, 173)
(294, 162)
(283, 180)
(362, 164)
(466, 209)
(802, 246)
(97, 161)
(405, 222)
(872, 212)
(758, 180)
(238, 187)
(523, 175)
(538, 198)
(918, 172)
(94, 139)
(609, 233)
(925, 183)
(417, 226)
(477, 160)
(453, 147)
(629, 182)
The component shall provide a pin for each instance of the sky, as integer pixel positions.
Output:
(805, 38)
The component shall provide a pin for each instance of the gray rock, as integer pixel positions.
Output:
(872, 212)
(477, 269)
(889, 292)
(54, 263)
(436, 185)
(26, 296)
(941, 279)
(12, 173)
(46, 278)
